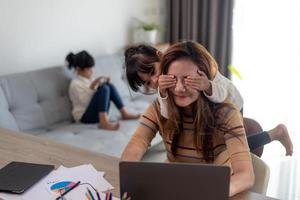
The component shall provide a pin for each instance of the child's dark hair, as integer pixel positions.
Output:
(82, 60)
(140, 58)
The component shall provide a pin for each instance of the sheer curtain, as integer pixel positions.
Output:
(266, 52)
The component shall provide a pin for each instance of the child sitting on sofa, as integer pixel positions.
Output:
(91, 97)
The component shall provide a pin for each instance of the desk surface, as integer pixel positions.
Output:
(16, 146)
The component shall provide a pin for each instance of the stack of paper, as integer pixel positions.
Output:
(51, 186)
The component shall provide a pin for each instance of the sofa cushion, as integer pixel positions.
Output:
(22, 100)
(88, 136)
(112, 65)
(7, 120)
(39, 98)
(52, 86)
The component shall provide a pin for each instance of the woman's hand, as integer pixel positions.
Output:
(199, 82)
(165, 82)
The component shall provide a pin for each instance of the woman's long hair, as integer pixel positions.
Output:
(205, 113)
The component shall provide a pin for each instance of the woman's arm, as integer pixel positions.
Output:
(137, 145)
(242, 177)
(142, 137)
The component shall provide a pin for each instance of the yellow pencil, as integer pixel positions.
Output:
(88, 196)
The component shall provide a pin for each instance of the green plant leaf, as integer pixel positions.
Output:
(234, 71)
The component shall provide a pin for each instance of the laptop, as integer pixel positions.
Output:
(17, 177)
(174, 181)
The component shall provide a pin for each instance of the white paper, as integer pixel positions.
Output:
(83, 173)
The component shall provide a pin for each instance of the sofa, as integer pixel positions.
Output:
(37, 102)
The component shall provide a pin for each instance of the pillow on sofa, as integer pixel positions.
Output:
(6, 118)
(112, 65)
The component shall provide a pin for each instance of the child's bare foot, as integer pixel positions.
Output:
(127, 115)
(109, 125)
(281, 134)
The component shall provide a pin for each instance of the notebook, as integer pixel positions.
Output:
(17, 177)
(176, 181)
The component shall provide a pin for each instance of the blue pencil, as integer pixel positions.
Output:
(90, 193)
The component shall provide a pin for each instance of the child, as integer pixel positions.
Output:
(143, 70)
(91, 98)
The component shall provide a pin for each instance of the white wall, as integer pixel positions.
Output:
(39, 33)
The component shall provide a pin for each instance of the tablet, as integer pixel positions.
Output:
(17, 177)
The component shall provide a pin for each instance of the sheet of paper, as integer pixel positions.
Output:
(63, 178)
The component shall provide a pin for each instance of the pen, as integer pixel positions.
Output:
(98, 195)
(67, 191)
(90, 193)
(110, 196)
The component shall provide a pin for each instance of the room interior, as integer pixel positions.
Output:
(259, 38)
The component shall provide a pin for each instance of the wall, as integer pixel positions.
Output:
(37, 34)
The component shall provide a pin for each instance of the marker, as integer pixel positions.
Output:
(67, 191)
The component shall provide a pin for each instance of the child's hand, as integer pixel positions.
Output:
(165, 82)
(107, 78)
(199, 82)
(95, 84)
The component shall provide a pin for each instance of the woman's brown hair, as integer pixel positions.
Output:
(205, 114)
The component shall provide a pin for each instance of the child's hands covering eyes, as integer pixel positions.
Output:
(199, 82)
(165, 82)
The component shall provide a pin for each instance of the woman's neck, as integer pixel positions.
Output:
(188, 111)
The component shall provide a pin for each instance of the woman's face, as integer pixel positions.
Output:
(183, 95)
(86, 72)
(151, 79)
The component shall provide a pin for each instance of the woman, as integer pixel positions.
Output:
(198, 130)
(143, 72)
(91, 98)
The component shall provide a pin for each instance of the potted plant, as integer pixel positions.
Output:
(149, 32)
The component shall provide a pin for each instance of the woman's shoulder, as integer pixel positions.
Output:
(227, 110)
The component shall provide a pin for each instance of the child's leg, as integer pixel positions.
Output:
(279, 133)
(116, 99)
(98, 108)
(258, 140)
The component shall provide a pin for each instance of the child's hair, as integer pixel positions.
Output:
(140, 58)
(82, 60)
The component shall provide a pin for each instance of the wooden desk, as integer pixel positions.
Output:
(28, 148)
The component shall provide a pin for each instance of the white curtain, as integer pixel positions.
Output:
(266, 52)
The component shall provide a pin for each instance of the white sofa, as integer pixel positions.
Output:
(37, 102)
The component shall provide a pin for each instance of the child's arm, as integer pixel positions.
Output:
(163, 103)
(219, 88)
(215, 90)
(164, 82)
